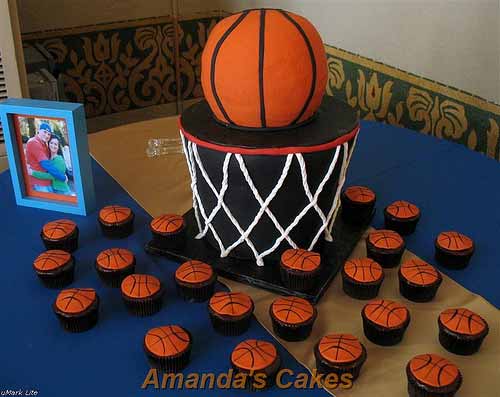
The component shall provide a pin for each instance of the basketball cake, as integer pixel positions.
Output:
(266, 151)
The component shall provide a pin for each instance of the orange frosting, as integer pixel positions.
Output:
(167, 223)
(59, 229)
(75, 300)
(385, 239)
(340, 348)
(403, 210)
(114, 214)
(292, 310)
(300, 259)
(454, 241)
(360, 194)
(386, 313)
(51, 260)
(433, 370)
(419, 272)
(115, 258)
(140, 286)
(167, 341)
(253, 354)
(462, 321)
(231, 303)
(194, 272)
(363, 270)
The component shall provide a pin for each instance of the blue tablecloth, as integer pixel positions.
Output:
(454, 187)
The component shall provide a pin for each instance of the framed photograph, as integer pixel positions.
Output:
(47, 150)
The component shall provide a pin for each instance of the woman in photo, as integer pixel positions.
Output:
(55, 166)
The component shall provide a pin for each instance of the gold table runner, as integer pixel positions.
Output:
(161, 184)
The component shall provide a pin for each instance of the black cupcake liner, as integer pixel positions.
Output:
(144, 307)
(356, 214)
(382, 336)
(114, 278)
(68, 244)
(452, 261)
(82, 322)
(269, 379)
(229, 327)
(169, 364)
(59, 279)
(418, 293)
(174, 241)
(403, 227)
(118, 231)
(357, 290)
(295, 333)
(461, 345)
(354, 368)
(385, 259)
(195, 293)
(417, 389)
(298, 281)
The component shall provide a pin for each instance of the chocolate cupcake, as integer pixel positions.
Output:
(55, 268)
(362, 278)
(292, 318)
(385, 247)
(168, 348)
(430, 375)
(116, 221)
(60, 235)
(256, 357)
(418, 281)
(453, 249)
(461, 331)
(113, 265)
(142, 294)
(230, 312)
(358, 204)
(195, 281)
(402, 217)
(385, 321)
(77, 309)
(299, 269)
(339, 354)
(168, 231)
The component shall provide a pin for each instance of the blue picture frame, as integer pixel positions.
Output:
(74, 116)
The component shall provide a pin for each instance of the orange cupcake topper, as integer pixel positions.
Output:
(403, 210)
(138, 286)
(194, 272)
(340, 348)
(167, 223)
(360, 194)
(300, 259)
(114, 214)
(231, 303)
(463, 321)
(75, 300)
(292, 310)
(386, 313)
(434, 370)
(385, 239)
(59, 229)
(167, 341)
(51, 260)
(419, 272)
(454, 241)
(115, 258)
(253, 354)
(363, 270)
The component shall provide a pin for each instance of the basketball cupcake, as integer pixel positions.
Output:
(385, 321)
(168, 348)
(256, 357)
(168, 231)
(142, 294)
(362, 278)
(454, 249)
(292, 318)
(116, 221)
(358, 204)
(430, 375)
(339, 354)
(55, 268)
(195, 281)
(114, 264)
(385, 247)
(77, 309)
(230, 312)
(461, 331)
(418, 281)
(402, 217)
(60, 235)
(299, 269)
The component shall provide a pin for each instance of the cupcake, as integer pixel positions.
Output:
(60, 235)
(168, 231)
(402, 217)
(195, 281)
(358, 204)
(385, 321)
(385, 247)
(454, 249)
(55, 268)
(292, 318)
(339, 354)
(116, 221)
(299, 269)
(430, 375)
(256, 357)
(230, 312)
(418, 281)
(113, 265)
(461, 331)
(142, 294)
(168, 348)
(77, 309)
(362, 278)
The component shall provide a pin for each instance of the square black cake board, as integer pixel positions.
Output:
(333, 255)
